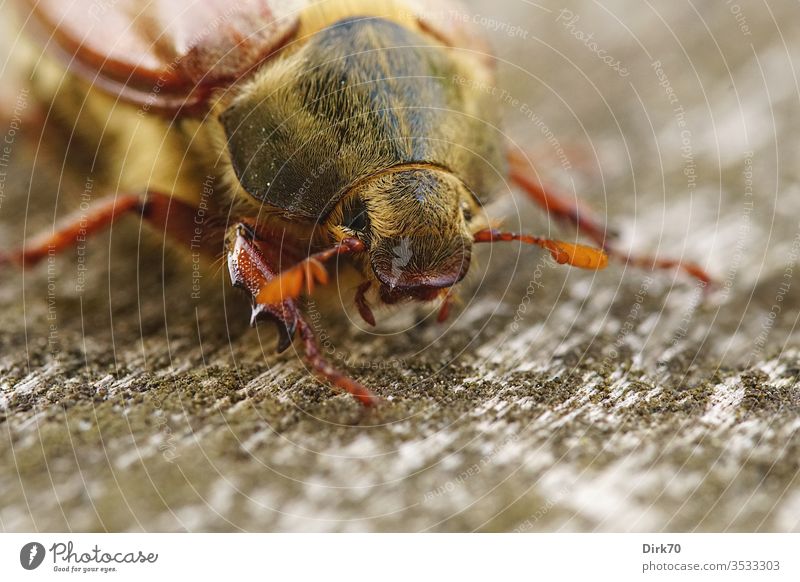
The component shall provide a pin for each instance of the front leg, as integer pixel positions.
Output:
(251, 271)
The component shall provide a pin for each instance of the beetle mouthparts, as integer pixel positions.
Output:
(417, 266)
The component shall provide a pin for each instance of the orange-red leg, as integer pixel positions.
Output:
(173, 216)
(322, 368)
(307, 273)
(563, 253)
(654, 263)
(363, 306)
(566, 208)
(251, 271)
(555, 203)
(99, 216)
(444, 310)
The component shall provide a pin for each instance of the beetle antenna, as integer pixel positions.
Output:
(307, 273)
(564, 253)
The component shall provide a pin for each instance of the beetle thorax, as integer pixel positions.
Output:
(357, 99)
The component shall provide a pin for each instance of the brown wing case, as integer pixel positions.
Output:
(164, 55)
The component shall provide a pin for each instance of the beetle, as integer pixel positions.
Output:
(339, 128)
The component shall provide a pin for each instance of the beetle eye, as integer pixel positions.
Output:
(355, 217)
(466, 211)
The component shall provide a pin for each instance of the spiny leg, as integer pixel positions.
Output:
(179, 220)
(251, 271)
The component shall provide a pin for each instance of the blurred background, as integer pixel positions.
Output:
(554, 400)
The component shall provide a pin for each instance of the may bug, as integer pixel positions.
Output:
(337, 128)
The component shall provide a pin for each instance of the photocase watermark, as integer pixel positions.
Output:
(329, 349)
(401, 256)
(80, 240)
(98, 9)
(310, 183)
(67, 558)
(171, 67)
(688, 314)
(53, 340)
(541, 511)
(31, 555)
(627, 326)
(745, 226)
(569, 20)
(492, 24)
(505, 97)
(665, 84)
(686, 147)
(471, 471)
(449, 17)
(387, 364)
(323, 338)
(784, 286)
(736, 255)
(534, 284)
(167, 446)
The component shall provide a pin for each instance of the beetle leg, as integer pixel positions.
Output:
(444, 309)
(100, 215)
(654, 263)
(556, 204)
(564, 207)
(307, 273)
(328, 372)
(363, 306)
(171, 215)
(251, 271)
(564, 253)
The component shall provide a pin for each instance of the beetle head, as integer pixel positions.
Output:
(415, 224)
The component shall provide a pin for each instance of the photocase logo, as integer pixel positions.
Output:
(31, 555)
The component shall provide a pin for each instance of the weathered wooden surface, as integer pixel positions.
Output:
(555, 400)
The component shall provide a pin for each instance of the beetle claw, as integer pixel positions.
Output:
(285, 320)
(286, 335)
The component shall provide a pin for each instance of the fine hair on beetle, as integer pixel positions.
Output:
(416, 224)
(367, 122)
